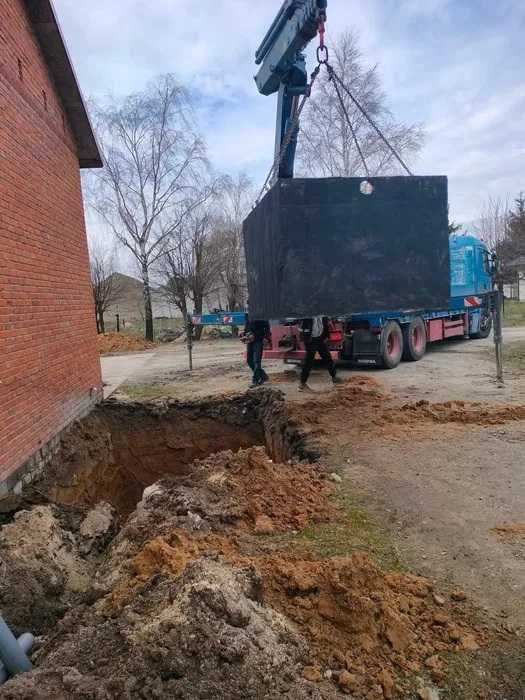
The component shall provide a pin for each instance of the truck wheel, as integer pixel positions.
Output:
(485, 325)
(414, 340)
(391, 347)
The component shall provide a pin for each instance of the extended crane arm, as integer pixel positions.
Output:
(283, 67)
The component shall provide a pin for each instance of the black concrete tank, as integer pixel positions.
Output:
(322, 246)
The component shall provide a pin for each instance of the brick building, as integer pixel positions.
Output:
(49, 366)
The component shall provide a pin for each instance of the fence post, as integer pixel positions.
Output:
(498, 332)
(189, 340)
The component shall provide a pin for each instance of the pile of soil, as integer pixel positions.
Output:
(360, 407)
(367, 628)
(46, 565)
(204, 634)
(274, 497)
(122, 342)
(198, 596)
(239, 496)
(455, 412)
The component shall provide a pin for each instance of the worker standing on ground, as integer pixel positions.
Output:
(255, 334)
(314, 334)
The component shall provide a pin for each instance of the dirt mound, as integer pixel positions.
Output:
(203, 635)
(42, 573)
(361, 621)
(456, 412)
(228, 493)
(375, 626)
(289, 496)
(360, 408)
(122, 342)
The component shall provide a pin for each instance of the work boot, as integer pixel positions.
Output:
(306, 388)
(336, 380)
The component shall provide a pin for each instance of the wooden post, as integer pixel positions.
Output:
(189, 340)
(498, 332)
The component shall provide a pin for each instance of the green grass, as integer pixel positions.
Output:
(354, 531)
(495, 673)
(513, 355)
(514, 313)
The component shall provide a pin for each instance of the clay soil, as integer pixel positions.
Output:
(362, 407)
(116, 343)
(198, 594)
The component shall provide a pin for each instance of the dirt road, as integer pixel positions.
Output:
(441, 491)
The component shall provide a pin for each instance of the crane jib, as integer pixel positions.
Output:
(295, 25)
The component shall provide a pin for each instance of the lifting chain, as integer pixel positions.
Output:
(323, 59)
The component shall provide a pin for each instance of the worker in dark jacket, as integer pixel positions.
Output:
(255, 334)
(314, 334)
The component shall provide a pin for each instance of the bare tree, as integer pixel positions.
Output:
(105, 283)
(189, 268)
(153, 162)
(234, 203)
(326, 145)
(493, 222)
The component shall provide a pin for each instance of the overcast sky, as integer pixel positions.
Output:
(455, 65)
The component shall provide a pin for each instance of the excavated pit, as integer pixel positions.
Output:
(177, 597)
(122, 448)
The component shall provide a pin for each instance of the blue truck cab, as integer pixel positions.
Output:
(471, 267)
(471, 281)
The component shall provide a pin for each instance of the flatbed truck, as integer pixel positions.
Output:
(386, 338)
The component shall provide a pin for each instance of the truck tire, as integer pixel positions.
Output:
(485, 325)
(414, 340)
(391, 345)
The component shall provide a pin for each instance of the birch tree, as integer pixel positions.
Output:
(154, 163)
(326, 146)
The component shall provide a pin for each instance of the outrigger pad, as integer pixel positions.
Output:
(323, 247)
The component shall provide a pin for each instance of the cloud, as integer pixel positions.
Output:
(456, 66)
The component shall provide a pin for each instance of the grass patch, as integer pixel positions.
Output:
(513, 355)
(354, 531)
(496, 673)
(514, 314)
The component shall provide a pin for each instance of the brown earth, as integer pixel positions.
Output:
(374, 625)
(289, 496)
(361, 406)
(122, 342)
(379, 627)
(192, 603)
(199, 594)
(510, 530)
(204, 634)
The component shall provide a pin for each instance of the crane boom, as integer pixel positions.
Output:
(283, 66)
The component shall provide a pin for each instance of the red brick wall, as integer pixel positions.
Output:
(48, 355)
